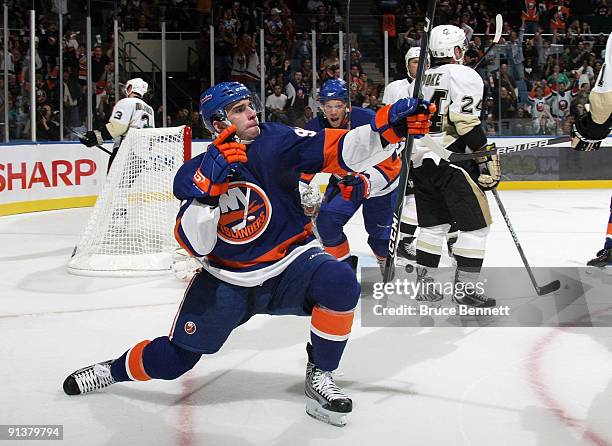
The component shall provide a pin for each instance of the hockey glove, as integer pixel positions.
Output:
(490, 169)
(92, 138)
(406, 116)
(222, 155)
(419, 124)
(587, 134)
(355, 186)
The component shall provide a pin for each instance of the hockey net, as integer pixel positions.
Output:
(130, 230)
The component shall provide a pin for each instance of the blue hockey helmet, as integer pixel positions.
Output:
(334, 89)
(214, 101)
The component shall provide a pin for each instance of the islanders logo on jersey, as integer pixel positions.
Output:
(245, 213)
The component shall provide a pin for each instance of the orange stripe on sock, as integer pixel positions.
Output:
(340, 251)
(609, 228)
(334, 323)
(135, 362)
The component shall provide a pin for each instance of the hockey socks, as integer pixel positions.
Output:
(407, 229)
(341, 251)
(335, 290)
(158, 359)
(429, 245)
(329, 332)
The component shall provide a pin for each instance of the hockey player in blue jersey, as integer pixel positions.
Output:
(375, 188)
(241, 215)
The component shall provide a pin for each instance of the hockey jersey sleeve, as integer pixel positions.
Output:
(305, 178)
(339, 151)
(384, 175)
(465, 100)
(196, 227)
(196, 223)
(600, 97)
(119, 121)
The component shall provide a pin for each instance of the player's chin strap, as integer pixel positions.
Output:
(460, 60)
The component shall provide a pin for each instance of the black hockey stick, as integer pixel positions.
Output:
(348, 63)
(522, 147)
(406, 154)
(80, 136)
(449, 156)
(541, 290)
(499, 24)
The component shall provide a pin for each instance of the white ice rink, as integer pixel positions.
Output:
(410, 386)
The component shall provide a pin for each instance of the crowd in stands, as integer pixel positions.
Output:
(537, 78)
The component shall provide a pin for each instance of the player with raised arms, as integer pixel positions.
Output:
(241, 215)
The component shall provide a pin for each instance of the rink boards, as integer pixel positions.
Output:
(47, 176)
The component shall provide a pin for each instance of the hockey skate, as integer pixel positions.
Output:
(88, 379)
(468, 295)
(324, 399)
(406, 249)
(426, 289)
(603, 259)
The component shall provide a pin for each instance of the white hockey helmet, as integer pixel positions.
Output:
(413, 53)
(136, 85)
(444, 39)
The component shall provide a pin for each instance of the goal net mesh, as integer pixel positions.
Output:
(130, 230)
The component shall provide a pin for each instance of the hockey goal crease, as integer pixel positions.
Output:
(130, 230)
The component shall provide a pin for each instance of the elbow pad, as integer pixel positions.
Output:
(114, 129)
(196, 227)
(106, 135)
(475, 139)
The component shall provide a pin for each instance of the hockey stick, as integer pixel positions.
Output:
(449, 156)
(399, 203)
(348, 63)
(499, 24)
(80, 136)
(541, 290)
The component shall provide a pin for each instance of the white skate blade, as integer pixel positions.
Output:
(316, 411)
